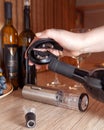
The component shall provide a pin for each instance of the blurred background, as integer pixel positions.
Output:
(62, 14)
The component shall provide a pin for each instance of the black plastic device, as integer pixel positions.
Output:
(93, 81)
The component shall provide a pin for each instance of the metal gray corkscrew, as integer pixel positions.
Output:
(93, 81)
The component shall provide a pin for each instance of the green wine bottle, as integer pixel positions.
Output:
(27, 74)
(9, 37)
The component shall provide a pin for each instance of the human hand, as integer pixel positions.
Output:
(68, 40)
(71, 42)
(42, 45)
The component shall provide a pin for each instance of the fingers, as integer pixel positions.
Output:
(35, 39)
(37, 66)
(55, 52)
(50, 33)
(45, 34)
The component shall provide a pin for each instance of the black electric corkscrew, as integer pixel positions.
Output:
(93, 81)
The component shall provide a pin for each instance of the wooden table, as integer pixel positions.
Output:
(49, 117)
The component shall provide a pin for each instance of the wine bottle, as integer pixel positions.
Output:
(27, 74)
(10, 47)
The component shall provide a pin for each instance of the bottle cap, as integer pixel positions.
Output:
(30, 119)
(26, 2)
(8, 10)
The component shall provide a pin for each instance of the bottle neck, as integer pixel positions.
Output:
(8, 13)
(26, 17)
(8, 21)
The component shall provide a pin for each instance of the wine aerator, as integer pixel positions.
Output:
(93, 81)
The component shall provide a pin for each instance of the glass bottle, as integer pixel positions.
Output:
(10, 46)
(27, 74)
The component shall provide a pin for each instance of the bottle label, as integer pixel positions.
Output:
(11, 60)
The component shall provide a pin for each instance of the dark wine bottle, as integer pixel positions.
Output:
(27, 74)
(10, 47)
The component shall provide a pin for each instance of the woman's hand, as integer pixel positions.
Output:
(71, 42)
(75, 44)
(32, 47)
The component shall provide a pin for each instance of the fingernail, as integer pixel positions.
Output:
(38, 34)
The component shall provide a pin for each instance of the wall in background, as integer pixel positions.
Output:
(88, 2)
(53, 14)
(90, 12)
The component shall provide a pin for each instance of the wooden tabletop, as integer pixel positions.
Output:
(49, 117)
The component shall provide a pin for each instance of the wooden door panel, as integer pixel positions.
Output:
(53, 14)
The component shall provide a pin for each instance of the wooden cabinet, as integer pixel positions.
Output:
(52, 14)
(44, 14)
